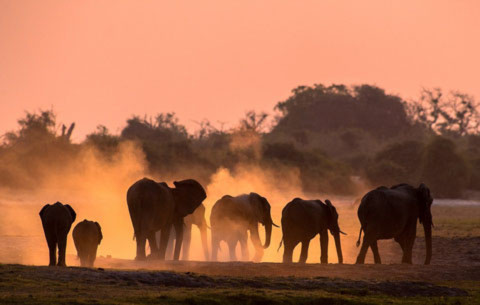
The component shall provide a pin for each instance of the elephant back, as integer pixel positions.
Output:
(150, 205)
(57, 214)
(87, 231)
(230, 208)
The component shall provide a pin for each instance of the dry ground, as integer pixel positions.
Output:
(453, 277)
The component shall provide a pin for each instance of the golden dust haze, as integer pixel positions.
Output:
(96, 189)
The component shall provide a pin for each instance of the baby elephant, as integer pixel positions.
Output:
(57, 220)
(87, 235)
(302, 220)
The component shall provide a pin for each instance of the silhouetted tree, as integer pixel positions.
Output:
(323, 109)
(103, 140)
(444, 170)
(453, 114)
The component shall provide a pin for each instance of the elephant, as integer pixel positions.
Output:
(197, 218)
(87, 235)
(155, 207)
(232, 217)
(302, 220)
(386, 213)
(57, 220)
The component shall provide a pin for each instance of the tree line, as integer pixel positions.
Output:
(333, 136)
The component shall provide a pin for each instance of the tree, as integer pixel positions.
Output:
(444, 170)
(33, 127)
(325, 109)
(397, 163)
(453, 114)
(103, 140)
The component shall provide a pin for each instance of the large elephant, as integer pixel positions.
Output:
(232, 217)
(386, 213)
(302, 220)
(155, 206)
(197, 218)
(57, 220)
(87, 235)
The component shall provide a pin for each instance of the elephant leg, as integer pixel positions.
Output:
(367, 240)
(92, 256)
(376, 254)
(215, 245)
(170, 244)
(164, 237)
(178, 238)
(407, 252)
(52, 251)
(244, 247)
(62, 247)
(232, 245)
(187, 237)
(324, 247)
(152, 242)
(83, 257)
(304, 253)
(288, 250)
(141, 241)
(257, 244)
(401, 241)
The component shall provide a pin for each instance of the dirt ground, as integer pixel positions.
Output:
(452, 278)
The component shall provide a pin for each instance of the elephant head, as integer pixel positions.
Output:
(188, 195)
(425, 216)
(261, 209)
(332, 225)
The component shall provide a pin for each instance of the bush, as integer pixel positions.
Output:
(386, 173)
(444, 170)
(397, 163)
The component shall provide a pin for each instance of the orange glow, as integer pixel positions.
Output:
(98, 62)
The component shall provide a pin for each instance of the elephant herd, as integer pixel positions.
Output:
(161, 214)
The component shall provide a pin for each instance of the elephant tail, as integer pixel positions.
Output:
(359, 236)
(133, 235)
(280, 245)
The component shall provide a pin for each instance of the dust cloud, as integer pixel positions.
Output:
(96, 187)
(93, 186)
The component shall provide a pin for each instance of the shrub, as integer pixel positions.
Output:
(444, 170)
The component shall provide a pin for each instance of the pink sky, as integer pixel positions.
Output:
(99, 62)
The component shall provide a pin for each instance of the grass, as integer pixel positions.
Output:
(37, 285)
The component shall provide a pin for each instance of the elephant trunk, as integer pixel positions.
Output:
(427, 226)
(268, 234)
(338, 246)
(203, 235)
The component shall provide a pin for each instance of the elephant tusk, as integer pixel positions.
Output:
(342, 232)
(273, 224)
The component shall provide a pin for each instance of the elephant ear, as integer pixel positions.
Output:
(188, 195)
(329, 205)
(163, 184)
(333, 217)
(261, 207)
(424, 203)
(425, 194)
(100, 237)
(72, 212)
(332, 210)
(42, 211)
